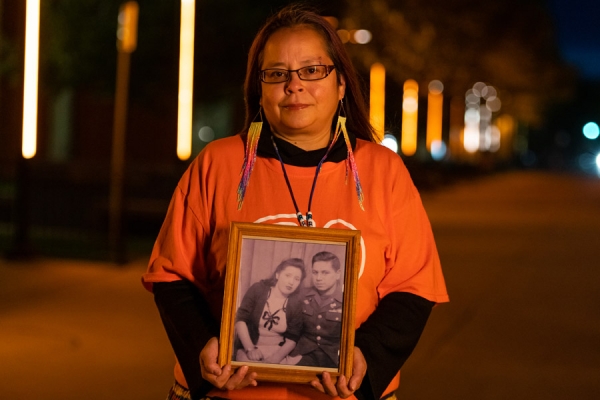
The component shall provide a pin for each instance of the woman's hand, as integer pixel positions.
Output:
(254, 355)
(223, 378)
(343, 388)
(280, 354)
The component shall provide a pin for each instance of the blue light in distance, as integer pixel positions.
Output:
(438, 150)
(591, 130)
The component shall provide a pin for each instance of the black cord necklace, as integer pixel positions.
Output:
(308, 221)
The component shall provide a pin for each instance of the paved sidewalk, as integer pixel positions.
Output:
(80, 330)
(521, 257)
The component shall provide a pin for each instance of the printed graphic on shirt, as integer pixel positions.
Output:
(291, 220)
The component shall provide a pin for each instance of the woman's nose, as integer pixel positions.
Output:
(294, 84)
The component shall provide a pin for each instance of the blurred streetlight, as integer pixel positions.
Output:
(377, 99)
(186, 79)
(410, 109)
(22, 246)
(126, 44)
(435, 103)
(30, 87)
(390, 142)
(591, 130)
(481, 102)
(355, 36)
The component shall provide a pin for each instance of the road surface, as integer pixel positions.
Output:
(521, 256)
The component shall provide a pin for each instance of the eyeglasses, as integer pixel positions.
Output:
(310, 73)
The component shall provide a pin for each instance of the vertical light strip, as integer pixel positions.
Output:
(435, 104)
(186, 80)
(410, 109)
(377, 101)
(30, 87)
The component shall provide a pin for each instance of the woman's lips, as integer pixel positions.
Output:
(294, 107)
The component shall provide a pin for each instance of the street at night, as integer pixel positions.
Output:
(520, 252)
(122, 121)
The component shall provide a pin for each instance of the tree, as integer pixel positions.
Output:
(510, 45)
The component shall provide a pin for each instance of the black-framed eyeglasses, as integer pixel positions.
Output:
(310, 73)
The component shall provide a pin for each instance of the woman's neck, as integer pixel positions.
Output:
(276, 293)
(307, 141)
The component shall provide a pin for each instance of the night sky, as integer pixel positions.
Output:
(578, 23)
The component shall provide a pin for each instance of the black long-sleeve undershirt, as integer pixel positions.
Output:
(386, 338)
(189, 325)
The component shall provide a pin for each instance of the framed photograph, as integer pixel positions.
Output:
(289, 301)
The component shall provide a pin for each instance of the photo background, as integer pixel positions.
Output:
(260, 257)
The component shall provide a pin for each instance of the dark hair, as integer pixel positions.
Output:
(290, 262)
(295, 15)
(327, 256)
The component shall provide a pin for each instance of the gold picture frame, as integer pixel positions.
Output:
(254, 252)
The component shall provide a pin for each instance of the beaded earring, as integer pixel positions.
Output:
(350, 163)
(249, 157)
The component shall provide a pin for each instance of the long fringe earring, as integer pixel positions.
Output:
(249, 157)
(350, 163)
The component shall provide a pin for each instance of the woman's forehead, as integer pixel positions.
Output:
(301, 45)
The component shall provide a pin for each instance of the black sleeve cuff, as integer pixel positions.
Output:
(189, 326)
(388, 337)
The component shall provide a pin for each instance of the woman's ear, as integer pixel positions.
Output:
(341, 88)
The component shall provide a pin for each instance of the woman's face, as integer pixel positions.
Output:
(298, 107)
(288, 280)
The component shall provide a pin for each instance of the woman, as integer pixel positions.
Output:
(307, 134)
(269, 320)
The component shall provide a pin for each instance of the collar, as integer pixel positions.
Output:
(338, 295)
(293, 155)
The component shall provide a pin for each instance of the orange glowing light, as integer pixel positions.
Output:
(435, 102)
(410, 109)
(377, 111)
(127, 31)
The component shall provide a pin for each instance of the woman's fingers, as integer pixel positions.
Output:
(209, 367)
(240, 379)
(317, 385)
(328, 385)
(346, 388)
(343, 388)
(359, 370)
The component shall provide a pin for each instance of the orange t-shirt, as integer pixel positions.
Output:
(398, 248)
